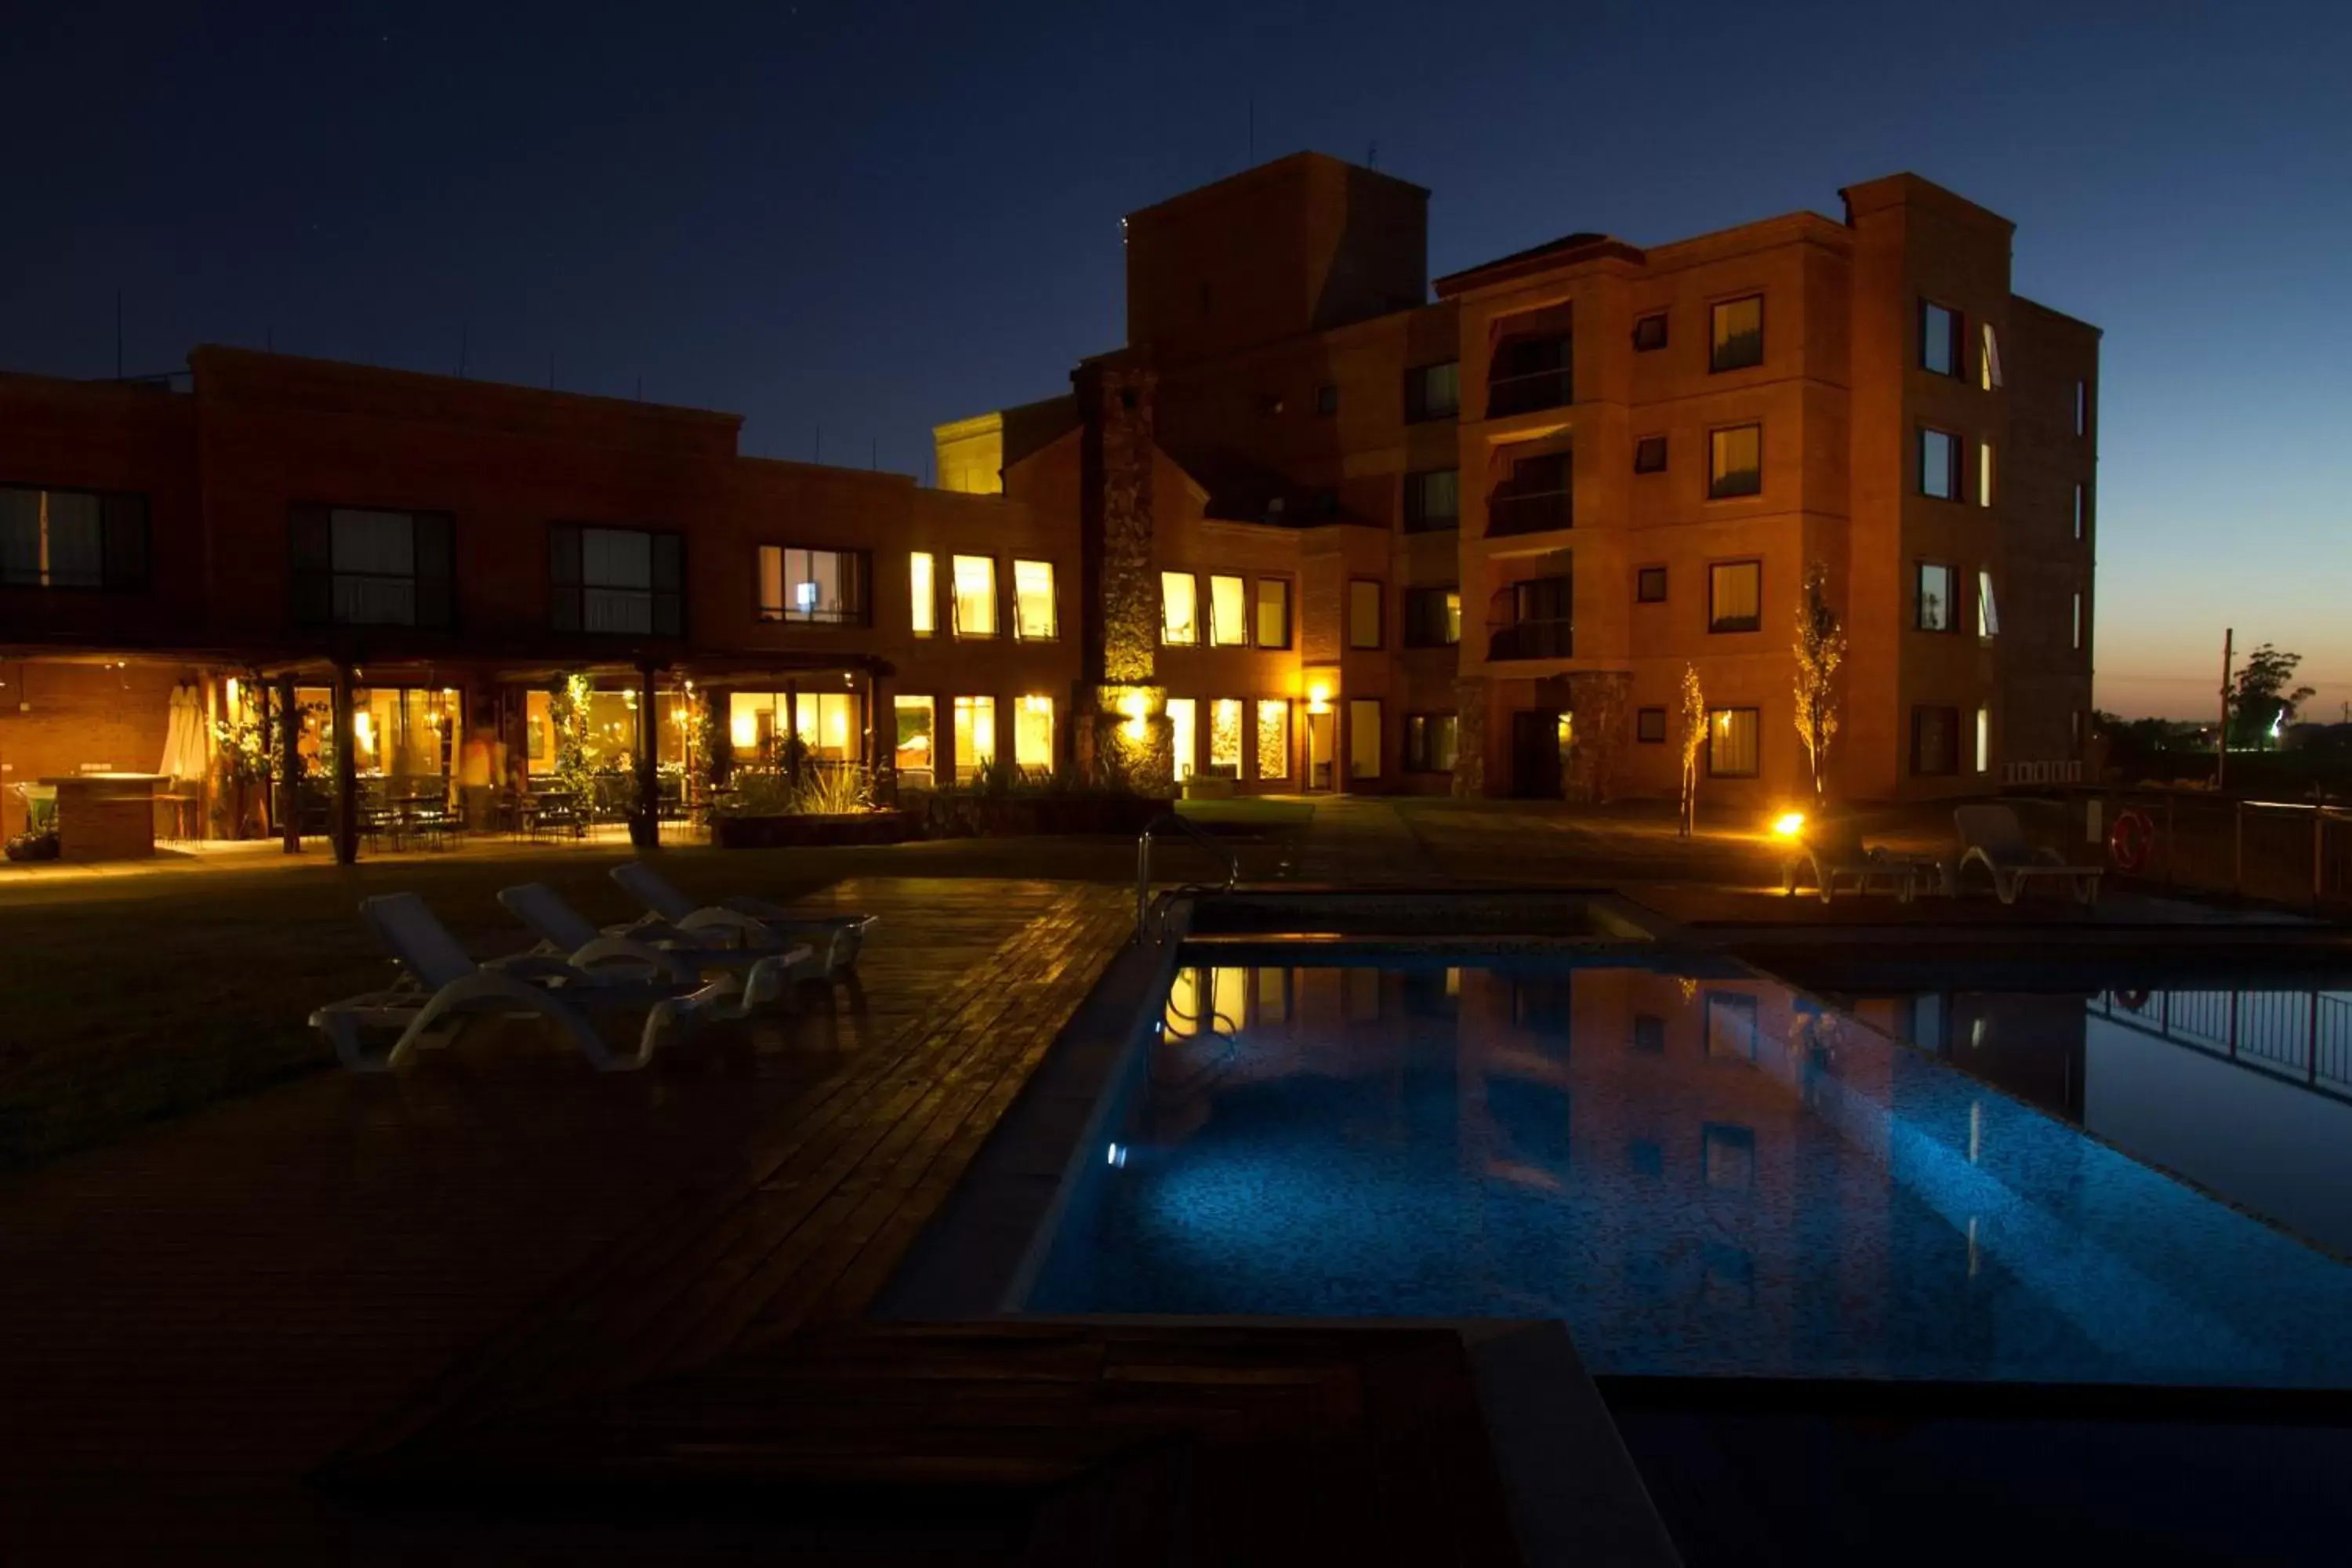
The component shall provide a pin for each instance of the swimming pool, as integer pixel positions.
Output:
(1700, 1171)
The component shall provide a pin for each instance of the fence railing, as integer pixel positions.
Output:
(2286, 852)
(2300, 1035)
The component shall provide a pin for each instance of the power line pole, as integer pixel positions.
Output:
(2221, 750)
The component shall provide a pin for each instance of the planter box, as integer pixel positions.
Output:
(801, 831)
(953, 815)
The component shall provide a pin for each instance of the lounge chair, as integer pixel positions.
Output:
(1990, 837)
(746, 922)
(1835, 851)
(754, 976)
(442, 991)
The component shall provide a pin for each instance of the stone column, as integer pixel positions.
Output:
(1118, 710)
(290, 766)
(882, 739)
(1470, 704)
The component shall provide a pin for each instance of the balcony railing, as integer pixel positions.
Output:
(1508, 394)
(1533, 639)
(1529, 511)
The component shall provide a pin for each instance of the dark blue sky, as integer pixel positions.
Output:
(878, 216)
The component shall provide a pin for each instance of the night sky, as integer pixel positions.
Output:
(875, 218)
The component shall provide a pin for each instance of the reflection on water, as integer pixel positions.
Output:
(1701, 1174)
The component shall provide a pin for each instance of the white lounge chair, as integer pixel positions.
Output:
(1990, 837)
(747, 923)
(442, 991)
(1833, 850)
(754, 976)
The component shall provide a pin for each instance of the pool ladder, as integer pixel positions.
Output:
(1144, 926)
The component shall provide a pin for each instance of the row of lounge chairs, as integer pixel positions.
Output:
(1834, 855)
(649, 983)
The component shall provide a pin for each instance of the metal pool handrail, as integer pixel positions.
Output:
(1143, 861)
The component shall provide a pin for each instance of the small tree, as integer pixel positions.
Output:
(1820, 648)
(2259, 699)
(1694, 736)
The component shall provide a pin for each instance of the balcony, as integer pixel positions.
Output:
(1532, 639)
(1512, 512)
(1524, 393)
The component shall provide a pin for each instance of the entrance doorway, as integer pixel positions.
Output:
(1322, 738)
(1183, 720)
(1540, 738)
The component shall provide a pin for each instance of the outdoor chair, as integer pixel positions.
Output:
(754, 976)
(442, 992)
(1834, 852)
(1990, 837)
(743, 921)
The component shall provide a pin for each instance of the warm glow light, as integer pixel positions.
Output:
(1138, 708)
(364, 727)
(1789, 823)
(232, 693)
(744, 729)
(1318, 698)
(1038, 704)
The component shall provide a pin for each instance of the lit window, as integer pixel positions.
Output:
(1650, 455)
(1432, 391)
(1731, 736)
(1984, 738)
(1736, 462)
(1935, 597)
(1432, 500)
(1735, 596)
(1225, 737)
(923, 593)
(1736, 334)
(1184, 738)
(1033, 735)
(1034, 616)
(1180, 609)
(1650, 726)
(1984, 473)
(1989, 361)
(1939, 464)
(1363, 613)
(1650, 333)
(831, 725)
(1273, 739)
(975, 596)
(1432, 617)
(911, 753)
(1988, 613)
(975, 734)
(1228, 613)
(816, 585)
(1650, 586)
(1363, 738)
(72, 539)
(1273, 611)
(1940, 339)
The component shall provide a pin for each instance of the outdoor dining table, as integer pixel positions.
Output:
(552, 808)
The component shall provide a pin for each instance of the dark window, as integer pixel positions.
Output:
(1327, 400)
(1650, 455)
(621, 582)
(1938, 585)
(1542, 620)
(1432, 500)
(1432, 391)
(1649, 1029)
(1731, 736)
(1650, 726)
(354, 566)
(1650, 586)
(2078, 511)
(1536, 497)
(2081, 408)
(1940, 339)
(1429, 741)
(1274, 612)
(1324, 503)
(1939, 464)
(1363, 613)
(1735, 464)
(822, 586)
(1735, 334)
(1650, 333)
(72, 539)
(1935, 741)
(1529, 373)
(1735, 596)
(1432, 617)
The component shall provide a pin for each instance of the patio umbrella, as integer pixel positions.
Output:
(187, 749)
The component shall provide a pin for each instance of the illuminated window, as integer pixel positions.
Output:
(1984, 740)
(1184, 735)
(1033, 735)
(1273, 739)
(72, 539)
(1432, 500)
(1984, 473)
(1940, 339)
(1989, 361)
(1935, 741)
(1650, 333)
(1363, 613)
(1735, 596)
(975, 735)
(818, 586)
(1650, 726)
(1429, 743)
(923, 592)
(1432, 617)
(1988, 613)
(913, 754)
(1225, 737)
(1180, 609)
(975, 596)
(1736, 334)
(1939, 464)
(1650, 455)
(1736, 462)
(1363, 738)
(1033, 613)
(1228, 611)
(1273, 611)
(1731, 737)
(830, 726)
(1432, 391)
(1936, 587)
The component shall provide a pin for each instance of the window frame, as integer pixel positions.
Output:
(862, 615)
(1987, 606)
(115, 510)
(923, 609)
(1714, 363)
(1643, 576)
(1919, 712)
(1418, 727)
(995, 631)
(1956, 345)
(1952, 592)
(1168, 575)
(654, 593)
(1052, 633)
(1715, 625)
(1957, 470)
(1327, 400)
(1642, 718)
(1663, 333)
(1416, 595)
(1245, 628)
(1646, 447)
(1417, 517)
(1257, 611)
(1715, 482)
(1416, 392)
(1756, 723)
(2082, 510)
(1380, 615)
(1356, 705)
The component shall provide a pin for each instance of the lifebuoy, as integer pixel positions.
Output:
(2135, 1000)
(2130, 839)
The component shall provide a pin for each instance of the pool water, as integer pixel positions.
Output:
(1698, 1170)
